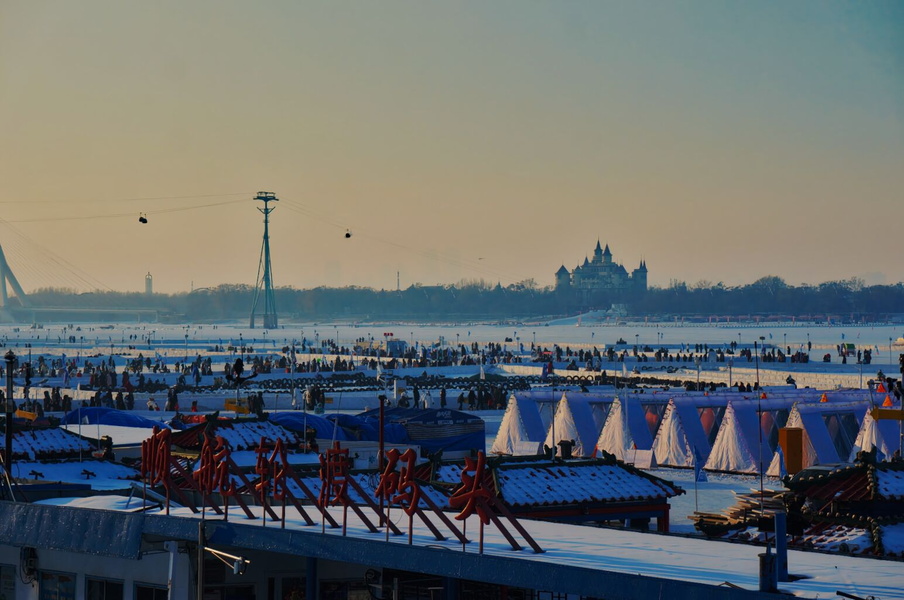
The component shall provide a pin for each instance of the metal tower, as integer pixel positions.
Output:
(264, 272)
(6, 275)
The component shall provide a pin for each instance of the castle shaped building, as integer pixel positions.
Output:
(601, 274)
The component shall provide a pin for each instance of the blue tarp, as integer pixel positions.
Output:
(98, 415)
(434, 430)
(296, 421)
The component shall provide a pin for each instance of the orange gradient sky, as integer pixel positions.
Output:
(719, 141)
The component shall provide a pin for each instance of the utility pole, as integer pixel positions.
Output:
(264, 271)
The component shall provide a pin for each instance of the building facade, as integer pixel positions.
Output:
(602, 274)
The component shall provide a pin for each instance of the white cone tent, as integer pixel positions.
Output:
(830, 429)
(731, 451)
(626, 430)
(739, 442)
(579, 417)
(671, 445)
(883, 435)
(524, 424)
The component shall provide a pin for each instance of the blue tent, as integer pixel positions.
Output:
(296, 421)
(98, 415)
(434, 430)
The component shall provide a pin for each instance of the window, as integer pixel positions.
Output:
(101, 589)
(56, 586)
(144, 591)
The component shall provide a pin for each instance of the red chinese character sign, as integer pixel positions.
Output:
(398, 485)
(336, 484)
(158, 466)
(216, 473)
(474, 496)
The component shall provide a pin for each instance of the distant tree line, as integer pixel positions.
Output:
(769, 296)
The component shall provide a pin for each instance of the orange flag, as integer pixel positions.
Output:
(888, 403)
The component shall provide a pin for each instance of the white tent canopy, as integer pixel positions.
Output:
(527, 418)
(748, 434)
(579, 417)
(627, 428)
(830, 429)
(883, 435)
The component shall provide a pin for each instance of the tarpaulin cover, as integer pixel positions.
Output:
(433, 430)
(296, 421)
(98, 415)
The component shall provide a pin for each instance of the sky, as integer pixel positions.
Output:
(717, 141)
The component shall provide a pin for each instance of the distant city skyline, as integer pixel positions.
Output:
(497, 141)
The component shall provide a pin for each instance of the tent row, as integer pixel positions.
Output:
(723, 432)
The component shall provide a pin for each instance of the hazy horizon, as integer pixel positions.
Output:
(721, 141)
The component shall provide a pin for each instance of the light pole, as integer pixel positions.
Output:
(10, 408)
(756, 357)
(697, 363)
(889, 353)
(730, 365)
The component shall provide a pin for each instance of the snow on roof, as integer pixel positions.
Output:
(99, 474)
(246, 435)
(892, 537)
(48, 443)
(240, 434)
(447, 473)
(889, 482)
(532, 484)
